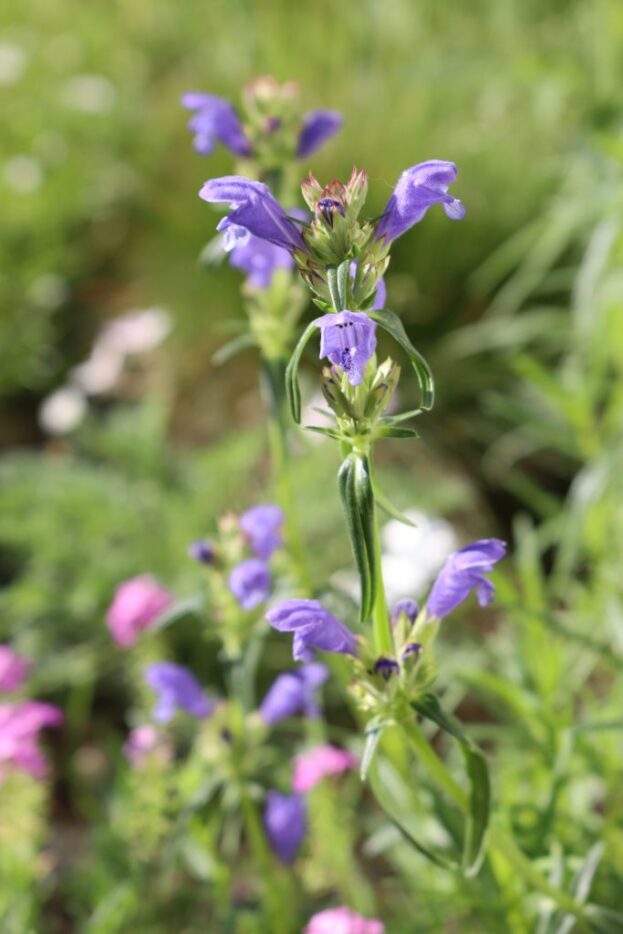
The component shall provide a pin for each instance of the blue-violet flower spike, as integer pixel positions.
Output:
(261, 526)
(215, 121)
(177, 688)
(294, 692)
(463, 571)
(318, 127)
(285, 824)
(250, 583)
(313, 628)
(416, 190)
(258, 259)
(348, 339)
(255, 209)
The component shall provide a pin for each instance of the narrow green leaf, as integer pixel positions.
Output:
(391, 323)
(357, 499)
(233, 347)
(480, 791)
(399, 433)
(328, 432)
(292, 370)
(388, 507)
(371, 745)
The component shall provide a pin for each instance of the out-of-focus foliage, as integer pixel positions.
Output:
(519, 310)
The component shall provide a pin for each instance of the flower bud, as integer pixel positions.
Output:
(382, 388)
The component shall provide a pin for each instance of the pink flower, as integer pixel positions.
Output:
(142, 742)
(20, 725)
(312, 766)
(13, 669)
(137, 603)
(343, 921)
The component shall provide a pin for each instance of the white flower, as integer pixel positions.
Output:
(62, 411)
(412, 557)
(100, 372)
(137, 332)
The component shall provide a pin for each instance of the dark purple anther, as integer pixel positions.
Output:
(271, 124)
(386, 667)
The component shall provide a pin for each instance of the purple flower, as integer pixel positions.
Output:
(14, 669)
(318, 126)
(406, 607)
(294, 692)
(463, 571)
(176, 687)
(416, 190)
(411, 648)
(215, 121)
(253, 210)
(261, 526)
(20, 725)
(348, 339)
(386, 667)
(313, 628)
(259, 259)
(250, 583)
(202, 551)
(285, 824)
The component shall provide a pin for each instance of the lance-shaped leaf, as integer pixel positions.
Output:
(387, 506)
(233, 347)
(479, 787)
(357, 498)
(292, 372)
(391, 323)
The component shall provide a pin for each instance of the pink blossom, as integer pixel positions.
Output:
(343, 921)
(312, 766)
(20, 725)
(137, 603)
(13, 669)
(142, 742)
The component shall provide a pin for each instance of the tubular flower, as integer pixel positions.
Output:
(137, 604)
(177, 688)
(259, 260)
(253, 210)
(417, 189)
(285, 824)
(318, 126)
(14, 669)
(261, 526)
(464, 571)
(20, 725)
(343, 921)
(250, 583)
(348, 340)
(406, 607)
(215, 121)
(294, 692)
(312, 766)
(313, 628)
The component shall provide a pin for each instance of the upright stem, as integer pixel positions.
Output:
(381, 626)
(499, 839)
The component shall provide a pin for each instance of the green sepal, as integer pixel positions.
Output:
(391, 432)
(477, 820)
(355, 488)
(293, 391)
(337, 281)
(232, 348)
(391, 323)
(328, 432)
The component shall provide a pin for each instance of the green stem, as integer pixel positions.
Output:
(381, 626)
(499, 839)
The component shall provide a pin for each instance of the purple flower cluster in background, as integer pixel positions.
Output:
(250, 582)
(262, 527)
(294, 692)
(463, 572)
(215, 120)
(313, 628)
(177, 689)
(137, 604)
(285, 824)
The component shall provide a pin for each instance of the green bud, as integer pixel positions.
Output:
(382, 389)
